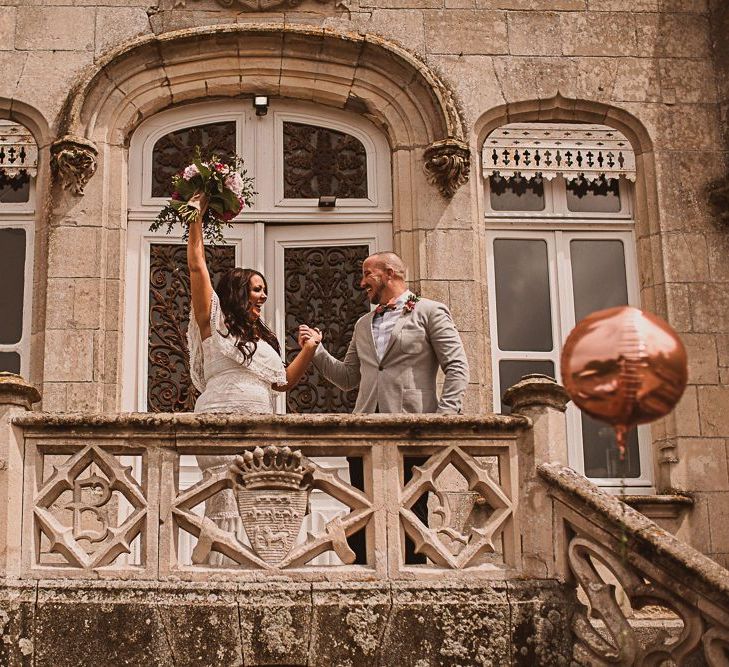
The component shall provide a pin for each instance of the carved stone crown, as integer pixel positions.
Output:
(271, 468)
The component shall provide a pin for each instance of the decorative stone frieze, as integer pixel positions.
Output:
(549, 150)
(74, 160)
(18, 151)
(448, 165)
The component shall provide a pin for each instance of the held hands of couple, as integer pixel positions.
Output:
(309, 337)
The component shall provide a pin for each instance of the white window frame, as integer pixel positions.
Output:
(259, 140)
(557, 227)
(21, 215)
(555, 207)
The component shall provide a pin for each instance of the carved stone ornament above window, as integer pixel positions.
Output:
(448, 165)
(549, 149)
(18, 151)
(74, 160)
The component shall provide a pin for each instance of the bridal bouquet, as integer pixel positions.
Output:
(225, 183)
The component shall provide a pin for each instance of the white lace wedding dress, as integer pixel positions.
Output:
(229, 384)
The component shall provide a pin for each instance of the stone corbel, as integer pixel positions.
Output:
(448, 164)
(74, 160)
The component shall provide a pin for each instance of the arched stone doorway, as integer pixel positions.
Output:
(362, 75)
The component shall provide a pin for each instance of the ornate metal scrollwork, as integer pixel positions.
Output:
(172, 152)
(448, 165)
(321, 288)
(168, 376)
(320, 161)
(74, 160)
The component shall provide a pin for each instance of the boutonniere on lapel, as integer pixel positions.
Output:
(409, 305)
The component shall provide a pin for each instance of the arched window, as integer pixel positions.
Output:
(323, 204)
(559, 217)
(18, 165)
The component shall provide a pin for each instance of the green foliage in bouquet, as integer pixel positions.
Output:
(227, 186)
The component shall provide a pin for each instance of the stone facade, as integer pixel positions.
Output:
(89, 72)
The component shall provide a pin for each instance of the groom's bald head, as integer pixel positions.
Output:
(390, 260)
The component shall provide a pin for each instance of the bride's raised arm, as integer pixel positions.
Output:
(201, 288)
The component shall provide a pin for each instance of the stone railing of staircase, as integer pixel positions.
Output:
(603, 544)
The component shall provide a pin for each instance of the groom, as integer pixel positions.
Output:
(397, 348)
(394, 357)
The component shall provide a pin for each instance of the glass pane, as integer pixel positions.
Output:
(523, 309)
(322, 289)
(598, 196)
(319, 161)
(12, 279)
(510, 372)
(175, 150)
(10, 362)
(516, 193)
(598, 275)
(14, 190)
(602, 458)
(169, 388)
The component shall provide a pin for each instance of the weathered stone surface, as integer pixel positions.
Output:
(55, 28)
(138, 623)
(69, 356)
(709, 307)
(702, 465)
(597, 33)
(202, 628)
(74, 252)
(473, 32)
(447, 626)
(348, 623)
(713, 403)
(117, 24)
(541, 614)
(275, 624)
(17, 617)
(78, 625)
(534, 33)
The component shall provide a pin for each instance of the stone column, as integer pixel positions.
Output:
(16, 397)
(544, 402)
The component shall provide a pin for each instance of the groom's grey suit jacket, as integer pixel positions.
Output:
(422, 340)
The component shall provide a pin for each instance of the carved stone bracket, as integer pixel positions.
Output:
(74, 159)
(448, 165)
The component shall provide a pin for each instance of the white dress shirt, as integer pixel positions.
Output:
(382, 325)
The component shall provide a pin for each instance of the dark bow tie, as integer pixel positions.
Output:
(383, 308)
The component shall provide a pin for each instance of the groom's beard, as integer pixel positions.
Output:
(374, 296)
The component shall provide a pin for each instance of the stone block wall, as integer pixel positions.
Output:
(660, 63)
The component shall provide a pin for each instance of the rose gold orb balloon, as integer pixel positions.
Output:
(625, 367)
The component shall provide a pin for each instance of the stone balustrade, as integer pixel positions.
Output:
(430, 554)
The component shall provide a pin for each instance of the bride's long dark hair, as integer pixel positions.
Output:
(232, 290)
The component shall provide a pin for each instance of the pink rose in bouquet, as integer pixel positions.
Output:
(226, 185)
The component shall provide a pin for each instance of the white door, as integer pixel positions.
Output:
(313, 273)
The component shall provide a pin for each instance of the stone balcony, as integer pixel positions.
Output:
(463, 544)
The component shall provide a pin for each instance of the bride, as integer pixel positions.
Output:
(235, 359)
